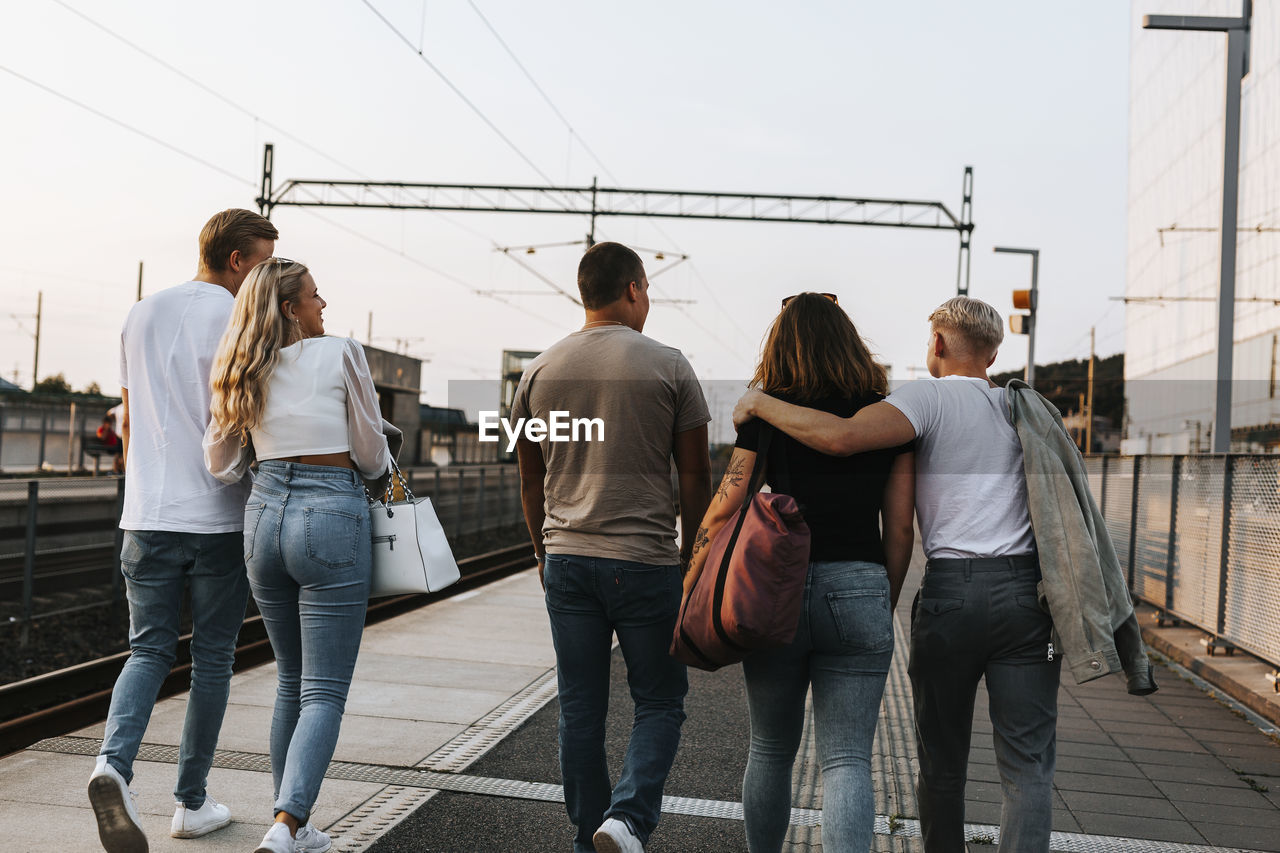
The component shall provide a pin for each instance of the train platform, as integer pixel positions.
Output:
(449, 744)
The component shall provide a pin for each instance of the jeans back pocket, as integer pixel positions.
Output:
(252, 518)
(332, 536)
(862, 619)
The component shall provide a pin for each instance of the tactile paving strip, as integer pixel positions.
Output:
(482, 736)
(413, 786)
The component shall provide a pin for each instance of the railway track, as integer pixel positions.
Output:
(57, 702)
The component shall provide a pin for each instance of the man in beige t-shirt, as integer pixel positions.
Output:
(596, 486)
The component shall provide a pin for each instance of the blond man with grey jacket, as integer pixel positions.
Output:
(978, 613)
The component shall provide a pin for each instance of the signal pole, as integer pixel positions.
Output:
(1028, 299)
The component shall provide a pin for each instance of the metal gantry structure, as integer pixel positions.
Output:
(594, 201)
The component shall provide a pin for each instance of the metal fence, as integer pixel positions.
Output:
(60, 540)
(1199, 537)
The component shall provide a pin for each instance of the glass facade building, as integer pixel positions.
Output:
(1177, 84)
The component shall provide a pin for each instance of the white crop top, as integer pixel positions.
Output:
(320, 399)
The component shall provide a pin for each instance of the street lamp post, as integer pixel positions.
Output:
(1237, 30)
(1030, 374)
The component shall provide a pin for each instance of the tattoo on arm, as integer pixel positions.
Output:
(732, 477)
(701, 540)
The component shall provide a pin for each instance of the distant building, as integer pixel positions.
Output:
(398, 381)
(1176, 107)
(7, 387)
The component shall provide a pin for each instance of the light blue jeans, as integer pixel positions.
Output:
(307, 548)
(589, 599)
(842, 648)
(157, 565)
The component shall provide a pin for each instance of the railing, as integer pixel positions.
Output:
(1199, 537)
(59, 536)
(60, 540)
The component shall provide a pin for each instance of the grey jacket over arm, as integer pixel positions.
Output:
(1083, 584)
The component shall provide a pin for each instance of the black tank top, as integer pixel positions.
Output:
(841, 496)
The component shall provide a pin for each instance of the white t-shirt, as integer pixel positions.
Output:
(971, 490)
(166, 352)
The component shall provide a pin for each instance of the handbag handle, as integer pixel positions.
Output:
(389, 495)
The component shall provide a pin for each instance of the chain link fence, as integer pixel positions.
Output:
(1199, 537)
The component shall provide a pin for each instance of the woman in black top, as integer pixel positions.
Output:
(844, 643)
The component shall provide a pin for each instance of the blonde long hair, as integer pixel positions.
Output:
(813, 351)
(250, 348)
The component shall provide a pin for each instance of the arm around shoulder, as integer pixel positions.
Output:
(875, 427)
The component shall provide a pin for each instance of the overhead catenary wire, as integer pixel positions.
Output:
(235, 105)
(573, 133)
(204, 87)
(609, 173)
(136, 130)
(457, 91)
(245, 182)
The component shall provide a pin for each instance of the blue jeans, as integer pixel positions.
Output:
(589, 598)
(974, 620)
(843, 647)
(306, 544)
(157, 566)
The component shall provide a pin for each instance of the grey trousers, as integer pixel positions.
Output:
(976, 618)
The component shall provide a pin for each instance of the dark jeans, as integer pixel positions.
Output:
(157, 566)
(588, 599)
(973, 619)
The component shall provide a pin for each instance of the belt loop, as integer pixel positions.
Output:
(968, 570)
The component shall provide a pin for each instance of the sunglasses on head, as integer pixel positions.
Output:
(279, 261)
(830, 296)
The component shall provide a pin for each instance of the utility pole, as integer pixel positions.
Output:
(368, 335)
(1088, 424)
(1237, 31)
(139, 299)
(35, 366)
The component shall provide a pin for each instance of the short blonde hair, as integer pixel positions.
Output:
(975, 321)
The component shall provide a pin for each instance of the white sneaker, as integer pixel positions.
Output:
(118, 826)
(277, 840)
(310, 840)
(193, 823)
(615, 836)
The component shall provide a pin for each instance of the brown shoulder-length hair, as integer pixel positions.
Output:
(813, 351)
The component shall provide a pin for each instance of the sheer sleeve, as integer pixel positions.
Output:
(225, 456)
(369, 449)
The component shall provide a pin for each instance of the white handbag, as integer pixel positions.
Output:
(410, 551)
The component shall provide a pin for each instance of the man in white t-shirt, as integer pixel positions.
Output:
(977, 613)
(181, 528)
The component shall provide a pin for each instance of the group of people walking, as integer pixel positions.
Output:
(1020, 573)
(231, 372)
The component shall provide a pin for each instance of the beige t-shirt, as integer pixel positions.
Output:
(612, 497)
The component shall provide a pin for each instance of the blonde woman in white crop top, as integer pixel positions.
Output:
(304, 406)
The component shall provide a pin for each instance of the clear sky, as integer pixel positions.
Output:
(849, 98)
